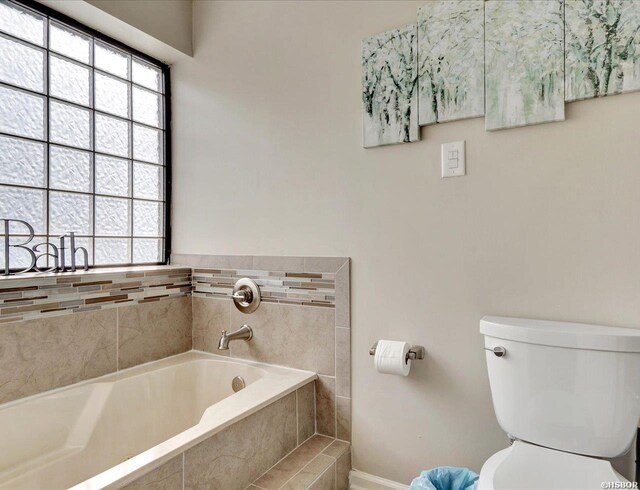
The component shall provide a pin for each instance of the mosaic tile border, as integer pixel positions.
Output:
(299, 288)
(28, 298)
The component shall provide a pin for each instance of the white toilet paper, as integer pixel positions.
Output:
(390, 357)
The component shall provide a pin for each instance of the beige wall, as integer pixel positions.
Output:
(268, 159)
(167, 20)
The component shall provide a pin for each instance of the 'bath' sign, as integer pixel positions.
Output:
(40, 251)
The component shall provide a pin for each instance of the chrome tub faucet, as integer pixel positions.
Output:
(243, 333)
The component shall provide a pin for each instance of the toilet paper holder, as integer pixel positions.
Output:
(415, 352)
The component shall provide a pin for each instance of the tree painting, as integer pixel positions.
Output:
(450, 60)
(602, 47)
(524, 62)
(389, 87)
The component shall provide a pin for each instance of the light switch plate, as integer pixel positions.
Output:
(453, 159)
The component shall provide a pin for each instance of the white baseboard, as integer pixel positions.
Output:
(359, 480)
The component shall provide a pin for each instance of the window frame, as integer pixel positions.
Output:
(166, 150)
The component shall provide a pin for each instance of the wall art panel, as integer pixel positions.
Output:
(389, 87)
(450, 60)
(524, 62)
(602, 47)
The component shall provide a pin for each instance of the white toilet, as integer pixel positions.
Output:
(568, 394)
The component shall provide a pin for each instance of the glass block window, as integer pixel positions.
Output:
(82, 138)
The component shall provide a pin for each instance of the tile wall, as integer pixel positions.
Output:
(303, 322)
(266, 450)
(60, 329)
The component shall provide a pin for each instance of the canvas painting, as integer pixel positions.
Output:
(389, 87)
(602, 47)
(524, 62)
(450, 60)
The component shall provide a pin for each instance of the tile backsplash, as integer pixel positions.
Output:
(37, 296)
(301, 288)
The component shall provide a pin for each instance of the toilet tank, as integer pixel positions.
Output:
(567, 386)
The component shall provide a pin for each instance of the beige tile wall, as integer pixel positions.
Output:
(235, 457)
(300, 336)
(52, 352)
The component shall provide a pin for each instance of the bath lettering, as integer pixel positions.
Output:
(19, 234)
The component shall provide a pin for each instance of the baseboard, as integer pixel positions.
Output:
(359, 480)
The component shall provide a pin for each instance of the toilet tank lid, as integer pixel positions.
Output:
(561, 334)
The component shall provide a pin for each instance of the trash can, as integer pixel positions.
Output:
(445, 478)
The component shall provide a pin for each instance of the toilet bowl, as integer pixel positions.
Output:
(524, 466)
(569, 395)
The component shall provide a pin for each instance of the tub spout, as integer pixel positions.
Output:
(243, 333)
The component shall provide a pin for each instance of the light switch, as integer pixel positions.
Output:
(453, 159)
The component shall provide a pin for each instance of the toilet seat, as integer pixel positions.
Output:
(524, 466)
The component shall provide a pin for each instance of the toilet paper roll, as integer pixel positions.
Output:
(390, 357)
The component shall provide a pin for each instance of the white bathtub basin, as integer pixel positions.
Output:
(108, 431)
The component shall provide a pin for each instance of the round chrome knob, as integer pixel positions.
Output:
(246, 295)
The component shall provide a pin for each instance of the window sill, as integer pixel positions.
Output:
(103, 271)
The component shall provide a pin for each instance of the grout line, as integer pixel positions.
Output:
(117, 339)
(183, 471)
(315, 408)
(274, 465)
(321, 474)
(297, 421)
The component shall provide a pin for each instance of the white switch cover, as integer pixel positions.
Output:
(453, 159)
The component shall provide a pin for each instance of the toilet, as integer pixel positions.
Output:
(568, 395)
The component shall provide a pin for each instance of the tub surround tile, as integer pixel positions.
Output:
(288, 467)
(343, 418)
(326, 481)
(216, 261)
(324, 264)
(310, 473)
(301, 337)
(166, 477)
(306, 412)
(304, 322)
(46, 295)
(336, 449)
(343, 296)
(343, 467)
(320, 463)
(275, 286)
(148, 332)
(325, 406)
(278, 263)
(235, 457)
(210, 317)
(343, 362)
(47, 353)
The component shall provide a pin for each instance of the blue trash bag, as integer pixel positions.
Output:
(446, 478)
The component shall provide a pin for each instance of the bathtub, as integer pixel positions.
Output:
(106, 432)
